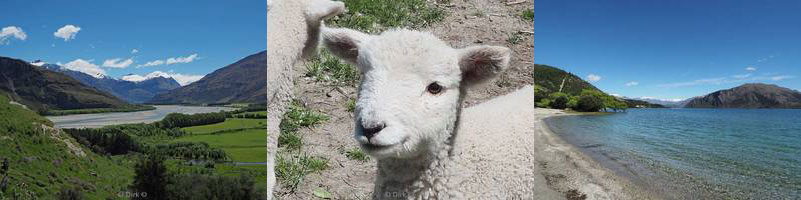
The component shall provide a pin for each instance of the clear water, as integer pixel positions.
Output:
(696, 153)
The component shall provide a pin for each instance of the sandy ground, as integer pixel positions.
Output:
(567, 170)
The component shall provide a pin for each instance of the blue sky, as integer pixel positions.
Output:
(199, 36)
(671, 49)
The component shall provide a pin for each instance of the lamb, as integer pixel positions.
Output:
(293, 33)
(409, 104)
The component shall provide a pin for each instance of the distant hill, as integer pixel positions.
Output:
(634, 103)
(550, 78)
(673, 103)
(244, 81)
(751, 95)
(131, 91)
(42, 160)
(43, 90)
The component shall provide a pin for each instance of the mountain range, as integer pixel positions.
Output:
(751, 95)
(43, 90)
(138, 91)
(548, 79)
(244, 81)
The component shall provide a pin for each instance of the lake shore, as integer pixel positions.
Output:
(569, 170)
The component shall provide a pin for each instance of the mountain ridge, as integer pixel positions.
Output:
(130, 91)
(243, 81)
(749, 95)
(43, 90)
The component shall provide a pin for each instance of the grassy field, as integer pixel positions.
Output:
(244, 140)
(229, 124)
(243, 146)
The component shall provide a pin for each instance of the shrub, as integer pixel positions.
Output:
(200, 186)
(69, 194)
(572, 102)
(558, 100)
(589, 103)
(544, 103)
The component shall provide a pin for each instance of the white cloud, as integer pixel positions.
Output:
(12, 32)
(183, 79)
(779, 78)
(170, 61)
(86, 67)
(134, 51)
(741, 76)
(750, 68)
(152, 63)
(733, 79)
(593, 78)
(67, 32)
(117, 63)
(765, 59)
(187, 59)
(633, 83)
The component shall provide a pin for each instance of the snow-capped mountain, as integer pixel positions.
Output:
(132, 90)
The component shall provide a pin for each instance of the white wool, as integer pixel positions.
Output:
(293, 28)
(414, 147)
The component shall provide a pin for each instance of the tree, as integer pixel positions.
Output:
(151, 179)
(558, 100)
(589, 103)
(540, 93)
(572, 102)
(545, 103)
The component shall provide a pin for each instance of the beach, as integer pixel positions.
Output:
(566, 168)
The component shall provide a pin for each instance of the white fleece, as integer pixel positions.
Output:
(293, 29)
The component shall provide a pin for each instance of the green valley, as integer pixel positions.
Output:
(180, 157)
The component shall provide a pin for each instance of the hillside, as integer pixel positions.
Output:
(43, 90)
(550, 78)
(130, 91)
(751, 95)
(43, 160)
(244, 81)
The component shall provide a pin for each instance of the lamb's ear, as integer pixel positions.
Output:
(344, 43)
(316, 12)
(482, 63)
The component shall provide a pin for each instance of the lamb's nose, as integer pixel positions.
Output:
(370, 131)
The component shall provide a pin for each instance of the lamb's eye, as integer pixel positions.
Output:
(434, 88)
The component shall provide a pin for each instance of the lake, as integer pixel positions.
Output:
(695, 153)
(104, 119)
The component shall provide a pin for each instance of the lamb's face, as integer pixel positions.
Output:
(409, 94)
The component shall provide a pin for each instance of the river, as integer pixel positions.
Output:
(97, 120)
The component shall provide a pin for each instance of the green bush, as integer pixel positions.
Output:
(589, 103)
(559, 100)
(572, 102)
(200, 186)
(545, 103)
